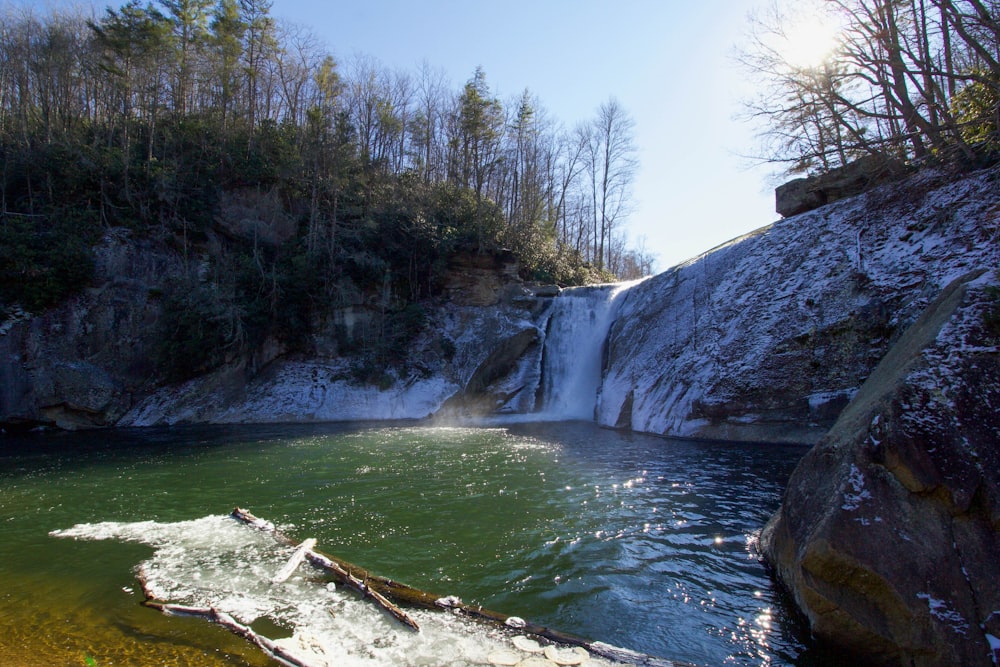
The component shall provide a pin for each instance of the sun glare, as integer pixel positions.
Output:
(807, 41)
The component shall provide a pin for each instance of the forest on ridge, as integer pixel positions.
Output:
(291, 182)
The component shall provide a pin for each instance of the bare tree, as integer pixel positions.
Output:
(427, 125)
(886, 89)
(612, 165)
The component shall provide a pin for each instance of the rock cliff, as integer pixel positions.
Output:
(84, 364)
(765, 338)
(888, 536)
(769, 336)
(92, 361)
(472, 360)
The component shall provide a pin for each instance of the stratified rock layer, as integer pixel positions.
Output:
(888, 536)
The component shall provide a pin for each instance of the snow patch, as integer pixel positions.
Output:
(858, 493)
(819, 399)
(873, 429)
(994, 643)
(943, 612)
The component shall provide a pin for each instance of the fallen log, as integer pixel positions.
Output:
(293, 562)
(393, 590)
(387, 589)
(363, 588)
(341, 573)
(213, 615)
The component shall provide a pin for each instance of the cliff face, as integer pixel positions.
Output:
(766, 338)
(889, 532)
(770, 336)
(470, 360)
(83, 364)
(92, 361)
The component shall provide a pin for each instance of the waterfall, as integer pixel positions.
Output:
(572, 357)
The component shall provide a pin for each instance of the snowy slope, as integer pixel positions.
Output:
(767, 336)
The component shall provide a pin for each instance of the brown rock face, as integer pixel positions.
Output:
(889, 533)
(477, 279)
(805, 194)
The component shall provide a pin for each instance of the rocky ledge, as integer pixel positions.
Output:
(888, 537)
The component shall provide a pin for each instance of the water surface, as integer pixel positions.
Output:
(632, 540)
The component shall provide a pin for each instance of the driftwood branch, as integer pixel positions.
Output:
(225, 620)
(360, 586)
(293, 562)
(336, 568)
(387, 589)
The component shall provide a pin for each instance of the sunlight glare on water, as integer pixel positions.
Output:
(636, 541)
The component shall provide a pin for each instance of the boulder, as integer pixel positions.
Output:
(545, 291)
(798, 196)
(805, 194)
(888, 536)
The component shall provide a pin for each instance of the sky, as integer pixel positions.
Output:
(669, 63)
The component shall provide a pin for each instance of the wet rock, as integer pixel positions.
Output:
(485, 392)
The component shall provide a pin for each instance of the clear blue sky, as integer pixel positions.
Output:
(668, 62)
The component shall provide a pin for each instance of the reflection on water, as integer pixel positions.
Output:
(632, 540)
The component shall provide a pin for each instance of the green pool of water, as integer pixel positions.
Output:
(632, 540)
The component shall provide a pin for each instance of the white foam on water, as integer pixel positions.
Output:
(217, 562)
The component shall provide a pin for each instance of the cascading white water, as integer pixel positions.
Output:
(574, 341)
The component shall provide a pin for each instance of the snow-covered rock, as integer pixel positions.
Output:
(473, 373)
(888, 536)
(769, 336)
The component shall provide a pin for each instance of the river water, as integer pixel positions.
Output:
(633, 540)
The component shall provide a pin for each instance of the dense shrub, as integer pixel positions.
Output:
(44, 260)
(196, 331)
(976, 107)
